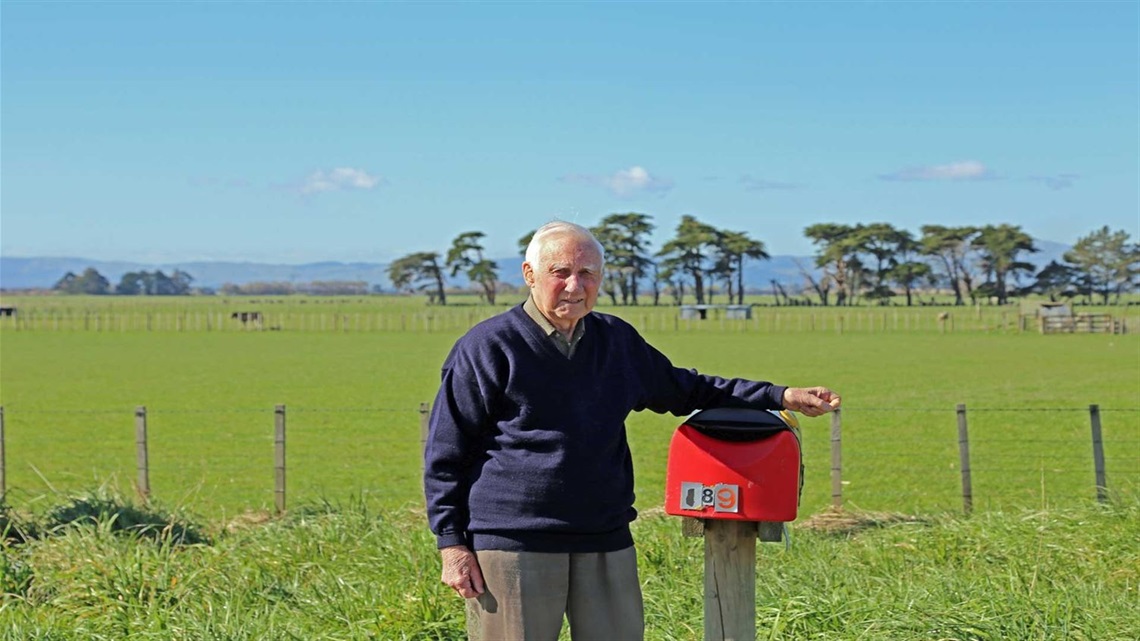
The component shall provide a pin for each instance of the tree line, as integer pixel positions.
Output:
(853, 263)
(874, 262)
(141, 283)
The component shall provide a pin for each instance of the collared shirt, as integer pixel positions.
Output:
(567, 347)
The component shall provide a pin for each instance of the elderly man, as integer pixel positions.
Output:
(528, 475)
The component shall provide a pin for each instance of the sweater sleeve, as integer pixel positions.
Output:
(458, 418)
(684, 391)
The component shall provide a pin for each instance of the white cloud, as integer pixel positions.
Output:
(960, 170)
(625, 182)
(337, 180)
(751, 183)
(1057, 182)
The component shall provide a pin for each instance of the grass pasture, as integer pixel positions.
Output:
(352, 560)
(353, 422)
(357, 314)
(346, 573)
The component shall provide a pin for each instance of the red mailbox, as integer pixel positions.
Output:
(737, 464)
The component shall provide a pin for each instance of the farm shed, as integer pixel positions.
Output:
(738, 311)
(701, 312)
(693, 312)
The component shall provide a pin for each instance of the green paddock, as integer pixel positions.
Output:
(373, 314)
(353, 412)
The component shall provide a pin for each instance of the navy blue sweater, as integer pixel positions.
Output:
(527, 448)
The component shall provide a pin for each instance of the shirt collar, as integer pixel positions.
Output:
(548, 328)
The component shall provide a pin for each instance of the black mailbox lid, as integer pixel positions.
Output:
(737, 423)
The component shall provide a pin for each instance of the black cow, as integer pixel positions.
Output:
(7, 311)
(247, 317)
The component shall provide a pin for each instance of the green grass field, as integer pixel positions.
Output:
(345, 573)
(353, 417)
(1039, 558)
(117, 314)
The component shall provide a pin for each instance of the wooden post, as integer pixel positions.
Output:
(3, 469)
(1098, 454)
(836, 460)
(730, 580)
(279, 458)
(141, 453)
(425, 413)
(964, 455)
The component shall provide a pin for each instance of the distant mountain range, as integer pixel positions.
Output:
(44, 272)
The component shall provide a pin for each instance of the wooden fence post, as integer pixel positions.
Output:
(3, 469)
(730, 580)
(279, 458)
(425, 414)
(141, 453)
(836, 460)
(964, 457)
(1098, 454)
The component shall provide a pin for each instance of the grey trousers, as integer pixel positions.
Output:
(528, 593)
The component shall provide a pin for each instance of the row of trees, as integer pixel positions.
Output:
(314, 288)
(141, 283)
(873, 262)
(700, 256)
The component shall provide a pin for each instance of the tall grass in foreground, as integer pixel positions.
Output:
(342, 572)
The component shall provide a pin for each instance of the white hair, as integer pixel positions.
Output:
(559, 228)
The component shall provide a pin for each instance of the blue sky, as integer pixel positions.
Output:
(299, 132)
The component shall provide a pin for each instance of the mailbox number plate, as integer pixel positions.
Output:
(721, 497)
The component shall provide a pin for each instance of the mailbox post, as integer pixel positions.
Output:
(735, 474)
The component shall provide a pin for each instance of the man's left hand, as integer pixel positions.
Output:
(811, 401)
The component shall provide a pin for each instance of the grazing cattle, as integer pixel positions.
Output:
(247, 317)
(7, 311)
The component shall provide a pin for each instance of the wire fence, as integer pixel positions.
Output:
(237, 459)
(361, 319)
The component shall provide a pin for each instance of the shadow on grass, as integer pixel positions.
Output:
(840, 522)
(101, 509)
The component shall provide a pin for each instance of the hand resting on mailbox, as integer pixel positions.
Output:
(811, 401)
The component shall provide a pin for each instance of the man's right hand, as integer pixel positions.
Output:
(461, 571)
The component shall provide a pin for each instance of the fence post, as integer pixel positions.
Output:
(3, 470)
(836, 460)
(425, 412)
(730, 580)
(141, 452)
(1098, 454)
(279, 458)
(964, 456)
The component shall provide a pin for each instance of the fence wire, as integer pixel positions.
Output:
(208, 459)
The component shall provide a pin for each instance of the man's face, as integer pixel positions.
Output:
(564, 283)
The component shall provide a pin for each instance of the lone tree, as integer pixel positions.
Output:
(419, 271)
(466, 255)
(908, 269)
(952, 247)
(154, 283)
(733, 247)
(90, 282)
(688, 251)
(625, 237)
(1000, 247)
(838, 257)
(1105, 262)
